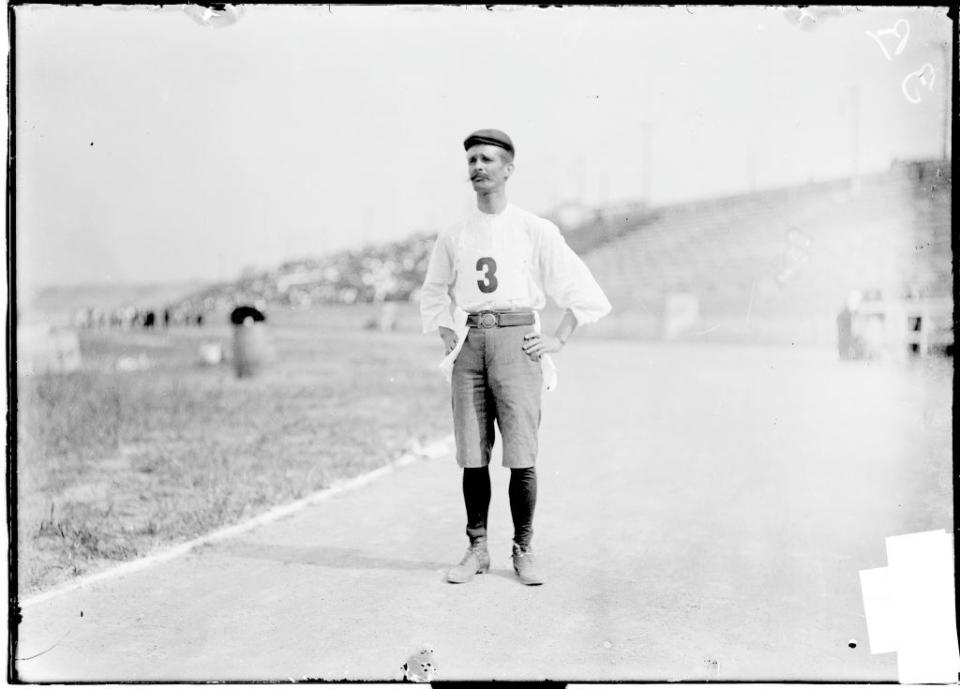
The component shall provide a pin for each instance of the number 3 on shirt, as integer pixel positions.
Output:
(488, 268)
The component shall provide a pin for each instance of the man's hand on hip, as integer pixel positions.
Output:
(449, 339)
(538, 344)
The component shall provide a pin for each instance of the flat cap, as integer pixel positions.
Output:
(492, 137)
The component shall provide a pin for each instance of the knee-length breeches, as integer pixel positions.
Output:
(495, 380)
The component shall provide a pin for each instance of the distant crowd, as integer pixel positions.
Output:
(389, 272)
(374, 273)
(131, 317)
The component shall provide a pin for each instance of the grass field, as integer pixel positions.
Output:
(112, 465)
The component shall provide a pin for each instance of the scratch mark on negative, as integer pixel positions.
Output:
(37, 655)
(753, 285)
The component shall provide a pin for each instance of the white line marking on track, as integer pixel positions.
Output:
(433, 450)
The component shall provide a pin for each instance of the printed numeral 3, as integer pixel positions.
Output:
(488, 268)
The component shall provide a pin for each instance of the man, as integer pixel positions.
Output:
(501, 262)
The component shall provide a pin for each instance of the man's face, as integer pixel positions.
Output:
(488, 167)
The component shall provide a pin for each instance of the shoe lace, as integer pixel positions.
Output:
(520, 552)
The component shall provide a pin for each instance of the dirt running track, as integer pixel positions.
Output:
(703, 514)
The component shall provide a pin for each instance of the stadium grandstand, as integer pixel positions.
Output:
(767, 267)
(777, 265)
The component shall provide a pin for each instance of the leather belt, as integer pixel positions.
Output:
(500, 319)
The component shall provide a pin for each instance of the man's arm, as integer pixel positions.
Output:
(435, 312)
(539, 344)
(568, 280)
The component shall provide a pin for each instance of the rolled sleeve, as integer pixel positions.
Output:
(436, 307)
(568, 281)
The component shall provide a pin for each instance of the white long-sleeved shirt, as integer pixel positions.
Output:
(508, 260)
(522, 240)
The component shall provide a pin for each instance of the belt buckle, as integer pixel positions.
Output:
(489, 320)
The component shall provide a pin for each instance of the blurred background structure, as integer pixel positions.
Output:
(773, 267)
(768, 267)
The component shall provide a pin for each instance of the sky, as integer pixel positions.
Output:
(154, 148)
